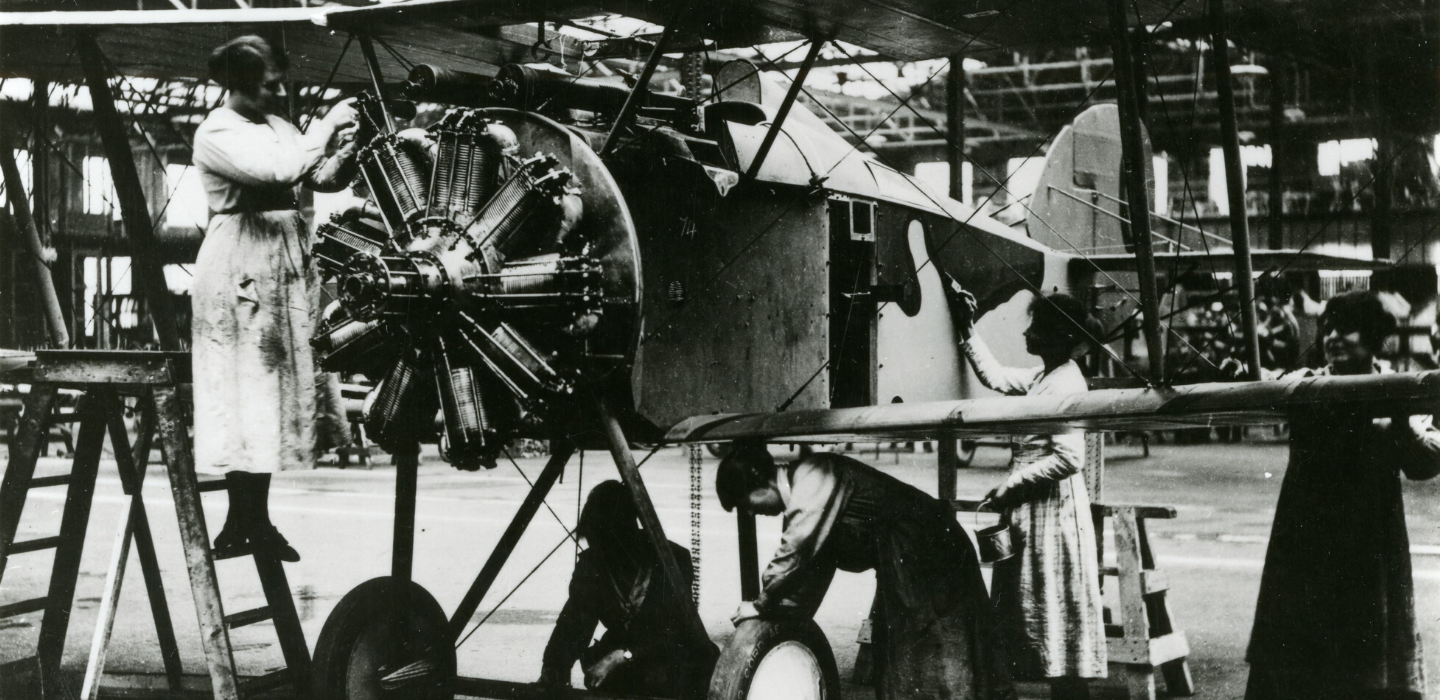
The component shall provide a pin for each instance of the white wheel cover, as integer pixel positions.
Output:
(789, 671)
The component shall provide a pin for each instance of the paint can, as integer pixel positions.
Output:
(997, 542)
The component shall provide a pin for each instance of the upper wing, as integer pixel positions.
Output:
(902, 29)
(1106, 409)
(169, 44)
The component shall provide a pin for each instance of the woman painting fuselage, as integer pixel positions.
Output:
(252, 295)
(1047, 597)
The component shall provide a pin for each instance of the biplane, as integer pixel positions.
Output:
(599, 265)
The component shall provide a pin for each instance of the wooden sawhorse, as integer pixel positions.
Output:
(1145, 638)
(155, 377)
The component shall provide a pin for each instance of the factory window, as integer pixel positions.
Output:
(1250, 157)
(1332, 155)
(186, 206)
(1022, 175)
(98, 190)
(1162, 184)
(937, 176)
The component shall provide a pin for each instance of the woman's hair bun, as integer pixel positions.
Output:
(240, 64)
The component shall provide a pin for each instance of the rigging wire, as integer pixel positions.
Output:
(512, 592)
(568, 531)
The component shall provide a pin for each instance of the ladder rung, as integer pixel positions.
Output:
(35, 545)
(248, 617)
(212, 485)
(269, 681)
(22, 607)
(43, 481)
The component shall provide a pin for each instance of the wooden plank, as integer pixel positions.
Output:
(35, 545)
(1153, 581)
(1168, 647)
(139, 525)
(560, 452)
(43, 481)
(119, 554)
(24, 451)
(86, 372)
(22, 607)
(195, 539)
(73, 521)
(281, 604)
(1094, 468)
(249, 617)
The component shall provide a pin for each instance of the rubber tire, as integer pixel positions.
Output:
(753, 640)
(365, 606)
(718, 449)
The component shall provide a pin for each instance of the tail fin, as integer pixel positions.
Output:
(1074, 205)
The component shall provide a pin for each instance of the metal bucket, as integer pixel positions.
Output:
(997, 542)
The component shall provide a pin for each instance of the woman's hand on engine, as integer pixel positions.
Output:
(342, 115)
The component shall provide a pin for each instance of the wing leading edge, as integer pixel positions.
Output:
(1238, 403)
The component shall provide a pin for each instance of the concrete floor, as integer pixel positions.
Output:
(340, 521)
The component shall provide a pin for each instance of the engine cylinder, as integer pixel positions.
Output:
(343, 237)
(397, 414)
(396, 180)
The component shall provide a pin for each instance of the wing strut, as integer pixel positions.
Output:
(790, 96)
(1235, 189)
(367, 46)
(1127, 91)
(642, 86)
(134, 211)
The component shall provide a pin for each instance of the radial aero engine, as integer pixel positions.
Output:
(492, 276)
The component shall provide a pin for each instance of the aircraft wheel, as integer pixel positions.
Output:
(776, 660)
(360, 656)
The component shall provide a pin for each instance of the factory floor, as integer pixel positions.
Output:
(339, 520)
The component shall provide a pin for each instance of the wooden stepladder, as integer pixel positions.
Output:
(155, 378)
(1145, 639)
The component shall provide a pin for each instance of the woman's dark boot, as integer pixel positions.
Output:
(263, 534)
(235, 534)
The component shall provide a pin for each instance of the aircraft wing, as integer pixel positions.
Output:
(1224, 260)
(902, 29)
(1190, 406)
(169, 44)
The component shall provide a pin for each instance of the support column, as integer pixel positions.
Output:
(955, 125)
(34, 248)
(1132, 140)
(1235, 189)
(1276, 239)
(145, 264)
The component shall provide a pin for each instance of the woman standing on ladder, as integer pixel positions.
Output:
(1047, 597)
(253, 368)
